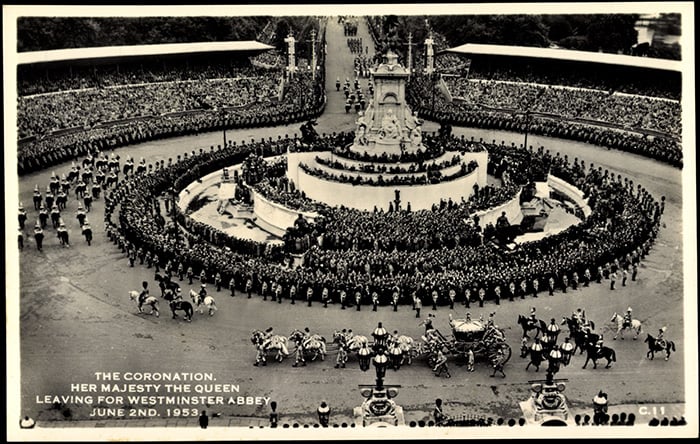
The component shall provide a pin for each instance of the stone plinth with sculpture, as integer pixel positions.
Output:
(388, 125)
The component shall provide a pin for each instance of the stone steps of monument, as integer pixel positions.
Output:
(447, 171)
(361, 163)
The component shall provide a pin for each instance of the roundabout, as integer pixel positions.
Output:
(284, 254)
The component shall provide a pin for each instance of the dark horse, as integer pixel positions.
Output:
(177, 303)
(579, 335)
(528, 325)
(659, 346)
(593, 354)
(165, 283)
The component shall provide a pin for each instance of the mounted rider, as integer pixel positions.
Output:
(532, 320)
(660, 341)
(627, 318)
(599, 345)
(580, 317)
(143, 295)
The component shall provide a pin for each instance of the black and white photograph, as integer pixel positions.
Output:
(322, 222)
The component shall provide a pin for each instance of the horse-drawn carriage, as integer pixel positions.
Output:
(485, 341)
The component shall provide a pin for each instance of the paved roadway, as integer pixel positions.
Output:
(76, 319)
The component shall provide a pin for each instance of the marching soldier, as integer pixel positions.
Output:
(292, 293)
(497, 293)
(482, 296)
(217, 281)
(551, 285)
(80, 215)
(180, 270)
(249, 287)
(599, 275)
(511, 291)
(190, 274)
(613, 278)
(278, 293)
(87, 200)
(337, 84)
(62, 233)
(87, 232)
(587, 277)
(131, 256)
(263, 290)
(395, 298)
(309, 294)
(37, 198)
(635, 270)
(452, 294)
(203, 276)
(434, 296)
(38, 236)
(55, 216)
(375, 300)
(49, 199)
(20, 239)
(22, 216)
(343, 297)
(564, 282)
(325, 294)
(61, 200)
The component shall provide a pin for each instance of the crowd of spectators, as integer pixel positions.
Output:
(42, 114)
(436, 107)
(646, 113)
(32, 80)
(42, 152)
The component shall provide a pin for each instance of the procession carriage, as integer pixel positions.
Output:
(486, 342)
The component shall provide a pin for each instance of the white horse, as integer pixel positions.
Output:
(208, 302)
(149, 300)
(635, 325)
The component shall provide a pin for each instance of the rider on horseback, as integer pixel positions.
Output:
(599, 345)
(143, 295)
(627, 319)
(267, 337)
(660, 341)
(532, 320)
(580, 317)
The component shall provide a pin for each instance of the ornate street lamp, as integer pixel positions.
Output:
(381, 362)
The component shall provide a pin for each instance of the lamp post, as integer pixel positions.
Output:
(527, 126)
(224, 115)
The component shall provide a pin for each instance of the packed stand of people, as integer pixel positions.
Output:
(571, 103)
(43, 152)
(434, 106)
(32, 80)
(42, 114)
